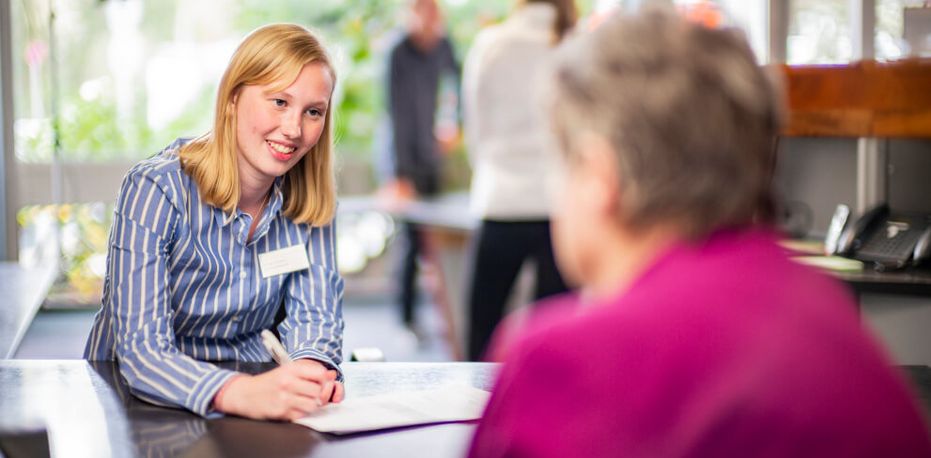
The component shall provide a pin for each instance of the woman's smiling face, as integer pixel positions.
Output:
(274, 130)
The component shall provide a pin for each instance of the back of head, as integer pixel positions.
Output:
(690, 115)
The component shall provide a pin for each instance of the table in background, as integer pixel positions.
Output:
(446, 224)
(86, 410)
(22, 291)
(913, 281)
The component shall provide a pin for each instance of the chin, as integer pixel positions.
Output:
(279, 169)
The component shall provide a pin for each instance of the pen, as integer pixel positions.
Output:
(274, 347)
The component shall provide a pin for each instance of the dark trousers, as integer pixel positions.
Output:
(500, 251)
(427, 185)
(412, 239)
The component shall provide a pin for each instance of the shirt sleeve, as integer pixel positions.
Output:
(313, 326)
(154, 368)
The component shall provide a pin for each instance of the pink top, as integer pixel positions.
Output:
(723, 348)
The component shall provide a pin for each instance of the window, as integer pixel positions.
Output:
(747, 15)
(109, 82)
(890, 39)
(819, 32)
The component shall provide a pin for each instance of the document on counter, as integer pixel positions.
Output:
(450, 403)
(832, 263)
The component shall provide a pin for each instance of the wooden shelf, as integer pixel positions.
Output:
(863, 99)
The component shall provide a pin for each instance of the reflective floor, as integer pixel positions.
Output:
(370, 322)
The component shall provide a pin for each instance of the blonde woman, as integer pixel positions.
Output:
(215, 237)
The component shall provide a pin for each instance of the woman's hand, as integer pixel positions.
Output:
(288, 392)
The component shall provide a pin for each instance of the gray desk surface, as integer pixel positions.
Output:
(84, 409)
(22, 292)
(448, 211)
(447, 224)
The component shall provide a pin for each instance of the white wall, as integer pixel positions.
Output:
(902, 323)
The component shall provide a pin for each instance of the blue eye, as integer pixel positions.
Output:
(279, 102)
(314, 112)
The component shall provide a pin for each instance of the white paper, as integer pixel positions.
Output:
(406, 408)
(290, 259)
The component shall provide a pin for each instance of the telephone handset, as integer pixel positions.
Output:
(891, 241)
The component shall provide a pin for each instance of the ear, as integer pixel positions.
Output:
(598, 163)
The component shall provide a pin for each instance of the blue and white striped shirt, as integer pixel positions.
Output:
(183, 287)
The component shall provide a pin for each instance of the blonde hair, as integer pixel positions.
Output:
(270, 55)
(691, 116)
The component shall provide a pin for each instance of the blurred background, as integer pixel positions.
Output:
(102, 84)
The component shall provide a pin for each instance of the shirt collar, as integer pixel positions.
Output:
(275, 203)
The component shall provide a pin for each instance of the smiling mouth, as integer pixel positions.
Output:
(281, 149)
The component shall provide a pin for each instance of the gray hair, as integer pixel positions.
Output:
(690, 114)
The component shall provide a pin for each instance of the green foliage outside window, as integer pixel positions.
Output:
(95, 123)
(91, 125)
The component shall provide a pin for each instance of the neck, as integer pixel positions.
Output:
(252, 190)
(623, 257)
(252, 198)
(424, 40)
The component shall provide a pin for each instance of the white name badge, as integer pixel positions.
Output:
(290, 259)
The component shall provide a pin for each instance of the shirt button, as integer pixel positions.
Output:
(243, 275)
(235, 318)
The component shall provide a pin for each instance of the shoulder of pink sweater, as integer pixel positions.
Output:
(529, 321)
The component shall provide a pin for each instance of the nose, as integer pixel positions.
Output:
(291, 124)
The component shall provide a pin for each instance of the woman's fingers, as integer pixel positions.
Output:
(309, 370)
(303, 404)
(304, 388)
(338, 392)
(326, 392)
(289, 391)
(316, 372)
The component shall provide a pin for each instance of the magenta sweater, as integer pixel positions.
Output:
(723, 348)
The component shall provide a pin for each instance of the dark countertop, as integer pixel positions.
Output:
(76, 408)
(913, 281)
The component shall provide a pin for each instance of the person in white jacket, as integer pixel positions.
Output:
(510, 156)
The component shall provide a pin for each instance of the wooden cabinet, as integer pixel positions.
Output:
(862, 99)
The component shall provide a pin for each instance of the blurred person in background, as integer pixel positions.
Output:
(417, 64)
(694, 334)
(511, 159)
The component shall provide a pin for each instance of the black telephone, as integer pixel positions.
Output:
(890, 241)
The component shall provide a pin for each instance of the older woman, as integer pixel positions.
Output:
(693, 334)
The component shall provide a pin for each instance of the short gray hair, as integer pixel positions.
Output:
(692, 117)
